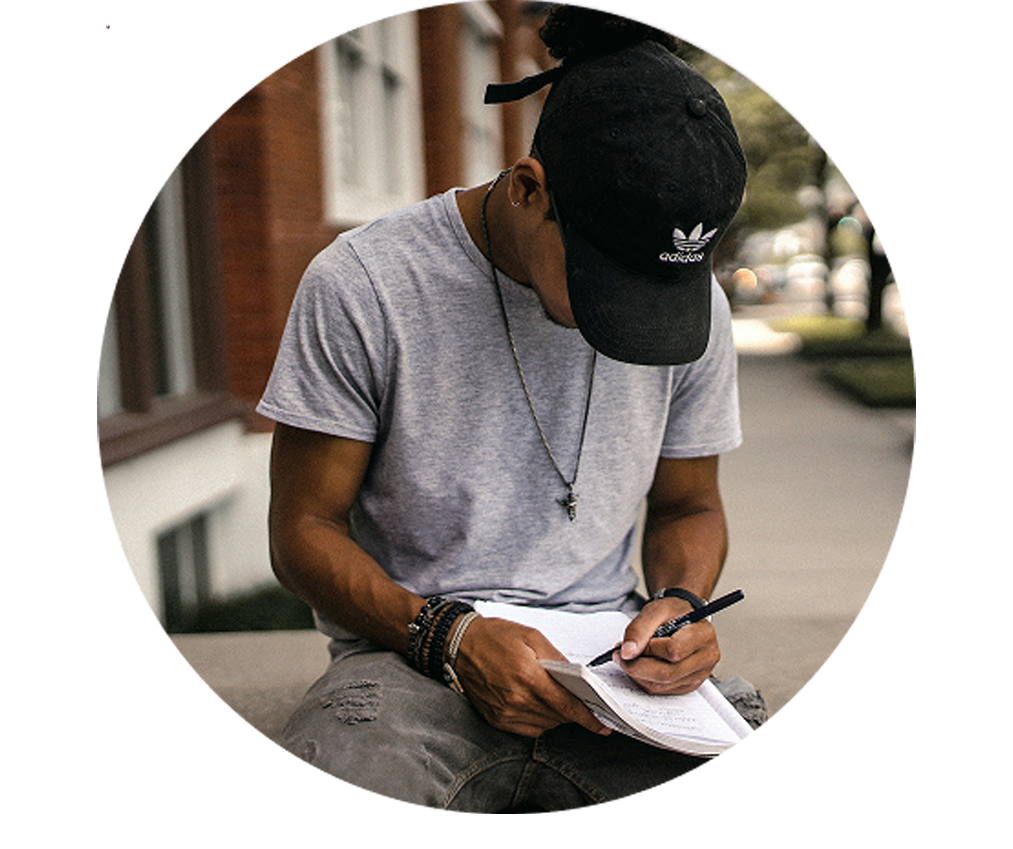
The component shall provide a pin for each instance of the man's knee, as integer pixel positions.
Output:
(348, 708)
(375, 723)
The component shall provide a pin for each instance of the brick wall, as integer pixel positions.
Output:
(268, 182)
(266, 154)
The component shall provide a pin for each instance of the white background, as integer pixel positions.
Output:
(110, 737)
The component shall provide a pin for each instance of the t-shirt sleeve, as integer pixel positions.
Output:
(328, 375)
(704, 414)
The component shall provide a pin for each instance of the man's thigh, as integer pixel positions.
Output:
(376, 723)
(607, 768)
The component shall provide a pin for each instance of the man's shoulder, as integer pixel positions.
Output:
(399, 263)
(380, 246)
(421, 227)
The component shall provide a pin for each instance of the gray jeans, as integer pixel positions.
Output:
(374, 722)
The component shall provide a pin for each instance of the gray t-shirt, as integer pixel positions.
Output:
(396, 337)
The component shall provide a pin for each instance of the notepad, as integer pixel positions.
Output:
(701, 723)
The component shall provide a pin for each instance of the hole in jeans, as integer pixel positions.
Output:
(354, 702)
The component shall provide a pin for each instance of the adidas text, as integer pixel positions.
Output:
(681, 257)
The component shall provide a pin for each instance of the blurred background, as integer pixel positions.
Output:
(386, 115)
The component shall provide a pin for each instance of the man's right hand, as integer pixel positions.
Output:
(498, 667)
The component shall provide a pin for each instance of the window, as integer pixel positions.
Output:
(184, 573)
(371, 121)
(110, 400)
(161, 373)
(483, 144)
(169, 294)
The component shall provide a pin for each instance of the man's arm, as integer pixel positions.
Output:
(315, 479)
(685, 544)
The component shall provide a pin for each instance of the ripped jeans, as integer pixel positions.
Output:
(376, 723)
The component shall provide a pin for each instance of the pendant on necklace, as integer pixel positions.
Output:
(570, 504)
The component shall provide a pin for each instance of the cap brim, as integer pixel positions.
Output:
(634, 317)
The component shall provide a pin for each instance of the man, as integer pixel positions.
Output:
(474, 396)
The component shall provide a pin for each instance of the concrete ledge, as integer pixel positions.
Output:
(261, 675)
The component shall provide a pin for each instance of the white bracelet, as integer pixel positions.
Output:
(449, 675)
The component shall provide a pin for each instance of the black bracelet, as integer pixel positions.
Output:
(679, 592)
(427, 634)
(422, 658)
(419, 628)
(439, 632)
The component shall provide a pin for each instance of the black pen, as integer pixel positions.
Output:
(670, 628)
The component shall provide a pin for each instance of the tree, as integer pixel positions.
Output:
(781, 156)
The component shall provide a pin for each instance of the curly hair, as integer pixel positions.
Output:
(573, 34)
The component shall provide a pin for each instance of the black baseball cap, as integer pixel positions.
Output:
(646, 173)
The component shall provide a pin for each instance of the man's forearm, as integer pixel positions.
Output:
(682, 548)
(314, 482)
(685, 550)
(320, 564)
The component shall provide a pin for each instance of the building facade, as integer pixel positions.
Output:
(366, 122)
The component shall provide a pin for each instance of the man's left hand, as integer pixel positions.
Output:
(668, 665)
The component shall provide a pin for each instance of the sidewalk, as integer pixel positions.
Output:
(813, 499)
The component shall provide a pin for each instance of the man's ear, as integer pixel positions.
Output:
(528, 185)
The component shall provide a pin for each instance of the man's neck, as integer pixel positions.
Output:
(469, 202)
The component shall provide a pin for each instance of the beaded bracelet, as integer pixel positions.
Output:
(426, 641)
(426, 638)
(418, 629)
(427, 634)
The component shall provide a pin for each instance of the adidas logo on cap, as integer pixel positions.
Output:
(689, 248)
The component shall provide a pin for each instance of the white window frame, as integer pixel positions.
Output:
(184, 565)
(110, 395)
(483, 124)
(388, 161)
(174, 292)
(169, 313)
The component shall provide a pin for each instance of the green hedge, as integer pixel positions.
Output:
(876, 381)
(830, 336)
(875, 368)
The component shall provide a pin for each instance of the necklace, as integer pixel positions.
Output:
(569, 503)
